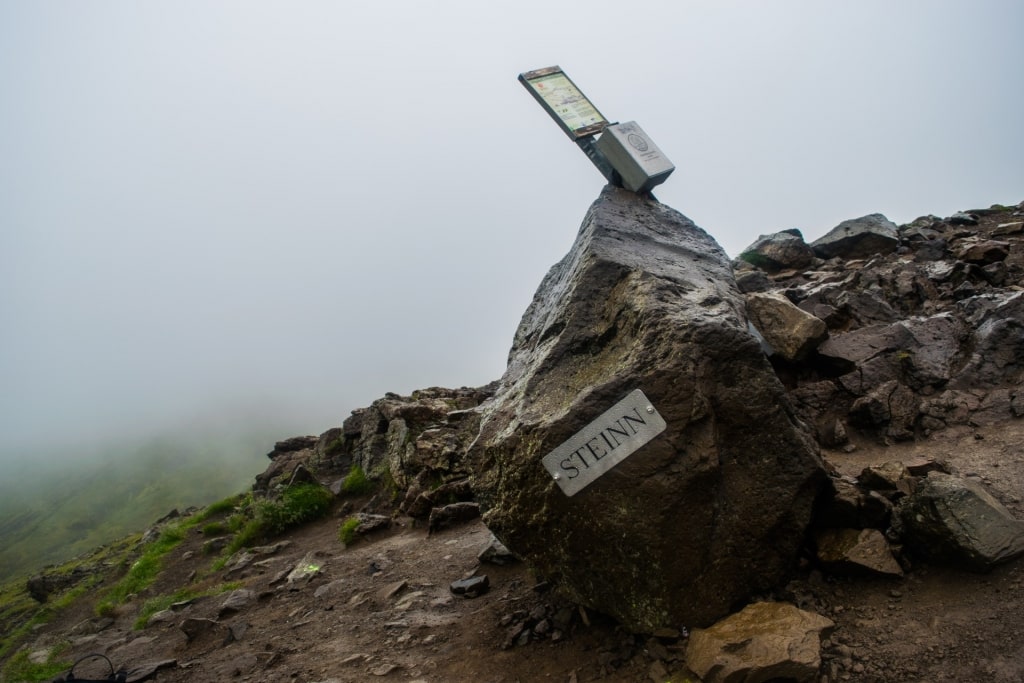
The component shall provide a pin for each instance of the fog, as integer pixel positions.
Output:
(275, 212)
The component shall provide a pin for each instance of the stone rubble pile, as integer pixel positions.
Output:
(874, 332)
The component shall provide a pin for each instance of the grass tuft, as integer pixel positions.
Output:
(215, 529)
(298, 504)
(348, 530)
(356, 482)
(143, 571)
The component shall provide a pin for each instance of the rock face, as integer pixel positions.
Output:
(710, 511)
(423, 434)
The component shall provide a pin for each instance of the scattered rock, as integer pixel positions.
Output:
(236, 602)
(495, 552)
(984, 252)
(889, 478)
(290, 445)
(308, 567)
(194, 627)
(473, 587)
(858, 238)
(395, 588)
(42, 586)
(791, 332)
(953, 519)
(962, 218)
(369, 523)
(449, 515)
(93, 625)
(330, 590)
(779, 251)
(856, 551)
(384, 669)
(853, 506)
(765, 641)
(148, 670)
(420, 499)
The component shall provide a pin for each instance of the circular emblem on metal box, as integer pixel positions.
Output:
(637, 142)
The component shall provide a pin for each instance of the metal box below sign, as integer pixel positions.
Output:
(637, 159)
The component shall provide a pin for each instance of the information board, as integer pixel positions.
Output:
(560, 97)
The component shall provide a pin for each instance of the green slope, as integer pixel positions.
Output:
(52, 513)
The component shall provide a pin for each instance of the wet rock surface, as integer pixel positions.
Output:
(712, 509)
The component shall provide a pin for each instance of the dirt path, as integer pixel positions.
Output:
(382, 609)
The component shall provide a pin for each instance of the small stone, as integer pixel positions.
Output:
(449, 515)
(963, 218)
(496, 553)
(472, 587)
(383, 669)
(395, 589)
(236, 602)
(193, 627)
(163, 616)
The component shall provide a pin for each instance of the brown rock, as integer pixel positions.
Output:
(856, 551)
(766, 641)
(791, 332)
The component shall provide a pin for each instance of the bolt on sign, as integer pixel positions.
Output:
(618, 433)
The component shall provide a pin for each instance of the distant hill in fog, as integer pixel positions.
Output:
(54, 506)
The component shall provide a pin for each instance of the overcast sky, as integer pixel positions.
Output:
(290, 208)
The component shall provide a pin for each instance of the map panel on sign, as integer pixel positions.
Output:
(566, 101)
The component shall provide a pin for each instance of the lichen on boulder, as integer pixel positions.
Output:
(710, 511)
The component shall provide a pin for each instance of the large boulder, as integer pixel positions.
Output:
(791, 332)
(714, 508)
(779, 251)
(954, 520)
(858, 238)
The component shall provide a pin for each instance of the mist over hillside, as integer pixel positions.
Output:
(59, 501)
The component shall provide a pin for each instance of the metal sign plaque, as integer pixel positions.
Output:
(564, 102)
(618, 433)
(637, 159)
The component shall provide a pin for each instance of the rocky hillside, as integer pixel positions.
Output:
(908, 330)
(900, 348)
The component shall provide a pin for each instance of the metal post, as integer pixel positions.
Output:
(589, 146)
